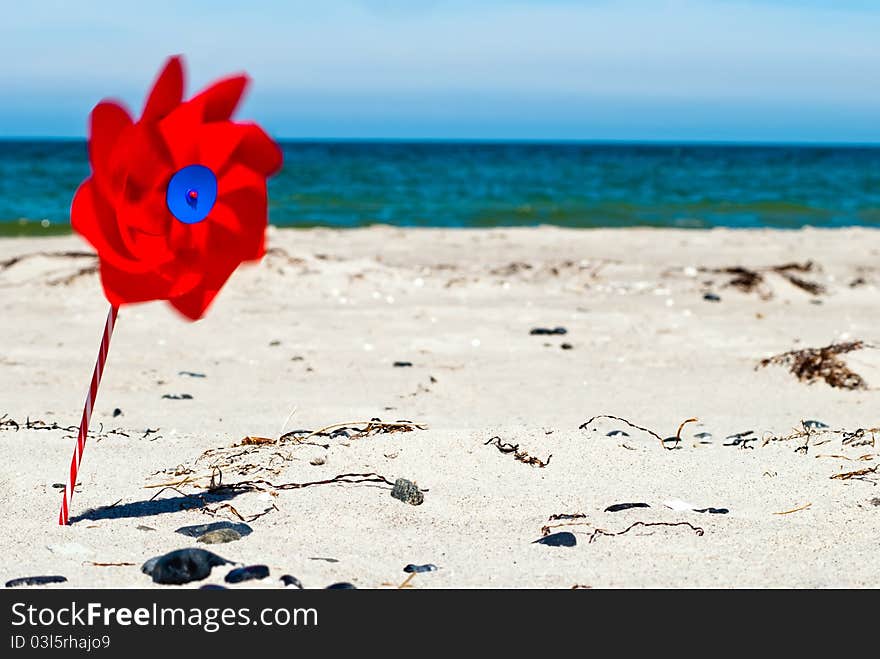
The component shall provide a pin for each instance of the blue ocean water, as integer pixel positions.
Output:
(447, 184)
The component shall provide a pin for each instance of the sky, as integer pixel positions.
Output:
(667, 70)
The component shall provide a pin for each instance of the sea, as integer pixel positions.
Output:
(492, 184)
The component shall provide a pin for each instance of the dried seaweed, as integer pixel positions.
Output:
(858, 474)
(546, 529)
(676, 438)
(849, 438)
(86, 270)
(750, 280)
(811, 364)
(561, 516)
(214, 512)
(520, 456)
(351, 430)
(7, 423)
(599, 532)
(256, 441)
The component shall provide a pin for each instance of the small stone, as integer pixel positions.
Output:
(416, 569)
(562, 539)
(219, 536)
(566, 346)
(274, 343)
(617, 433)
(545, 331)
(875, 501)
(192, 374)
(617, 507)
(201, 529)
(408, 492)
(342, 585)
(712, 511)
(712, 297)
(35, 581)
(182, 566)
(290, 580)
(248, 573)
(318, 461)
(177, 396)
(402, 364)
(142, 527)
(812, 424)
(117, 412)
(326, 559)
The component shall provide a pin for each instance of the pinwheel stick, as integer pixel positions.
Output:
(87, 415)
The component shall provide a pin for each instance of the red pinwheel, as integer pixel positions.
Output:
(177, 200)
(175, 203)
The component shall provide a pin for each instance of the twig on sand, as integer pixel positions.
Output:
(520, 456)
(598, 532)
(794, 510)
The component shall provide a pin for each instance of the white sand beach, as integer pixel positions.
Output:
(315, 329)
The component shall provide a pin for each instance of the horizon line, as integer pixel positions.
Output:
(513, 140)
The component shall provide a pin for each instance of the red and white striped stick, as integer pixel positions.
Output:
(87, 415)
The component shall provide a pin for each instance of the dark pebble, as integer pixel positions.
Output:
(192, 374)
(177, 396)
(182, 566)
(616, 433)
(35, 581)
(342, 585)
(142, 527)
(290, 580)
(545, 331)
(714, 511)
(402, 364)
(712, 297)
(617, 507)
(562, 539)
(326, 559)
(213, 586)
(408, 492)
(201, 529)
(812, 424)
(875, 501)
(248, 573)
(117, 412)
(566, 346)
(429, 567)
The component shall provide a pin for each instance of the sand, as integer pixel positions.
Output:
(314, 331)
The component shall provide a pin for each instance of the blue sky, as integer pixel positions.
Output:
(729, 70)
